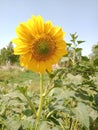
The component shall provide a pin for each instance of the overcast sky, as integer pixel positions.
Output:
(79, 16)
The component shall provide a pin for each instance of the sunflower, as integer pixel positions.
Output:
(39, 44)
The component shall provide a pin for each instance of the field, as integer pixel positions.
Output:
(70, 105)
(11, 75)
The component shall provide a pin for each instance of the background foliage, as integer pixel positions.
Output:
(70, 104)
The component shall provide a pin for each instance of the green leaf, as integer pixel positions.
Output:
(58, 83)
(77, 79)
(13, 123)
(2, 108)
(96, 62)
(96, 46)
(74, 36)
(52, 74)
(78, 49)
(28, 123)
(79, 42)
(85, 58)
(27, 112)
(69, 44)
(96, 99)
(22, 89)
(44, 126)
(93, 114)
(96, 124)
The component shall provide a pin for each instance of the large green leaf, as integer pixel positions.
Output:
(81, 112)
(28, 122)
(77, 79)
(13, 123)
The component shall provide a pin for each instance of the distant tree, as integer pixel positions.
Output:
(3, 57)
(7, 55)
(10, 54)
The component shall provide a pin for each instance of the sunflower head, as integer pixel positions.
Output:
(39, 44)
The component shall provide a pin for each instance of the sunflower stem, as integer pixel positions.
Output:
(41, 101)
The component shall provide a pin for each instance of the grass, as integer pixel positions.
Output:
(14, 75)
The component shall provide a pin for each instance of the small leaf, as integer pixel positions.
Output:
(27, 112)
(22, 89)
(78, 49)
(69, 44)
(79, 42)
(58, 83)
(52, 74)
(74, 36)
(96, 47)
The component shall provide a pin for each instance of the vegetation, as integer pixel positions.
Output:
(7, 56)
(71, 102)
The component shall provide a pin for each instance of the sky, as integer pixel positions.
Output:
(79, 16)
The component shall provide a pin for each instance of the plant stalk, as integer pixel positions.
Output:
(41, 101)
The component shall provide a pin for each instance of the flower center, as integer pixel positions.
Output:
(43, 48)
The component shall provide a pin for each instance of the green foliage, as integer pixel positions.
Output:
(7, 55)
(94, 54)
(70, 98)
(96, 62)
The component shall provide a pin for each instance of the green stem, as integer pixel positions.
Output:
(48, 91)
(41, 101)
(74, 53)
(73, 59)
